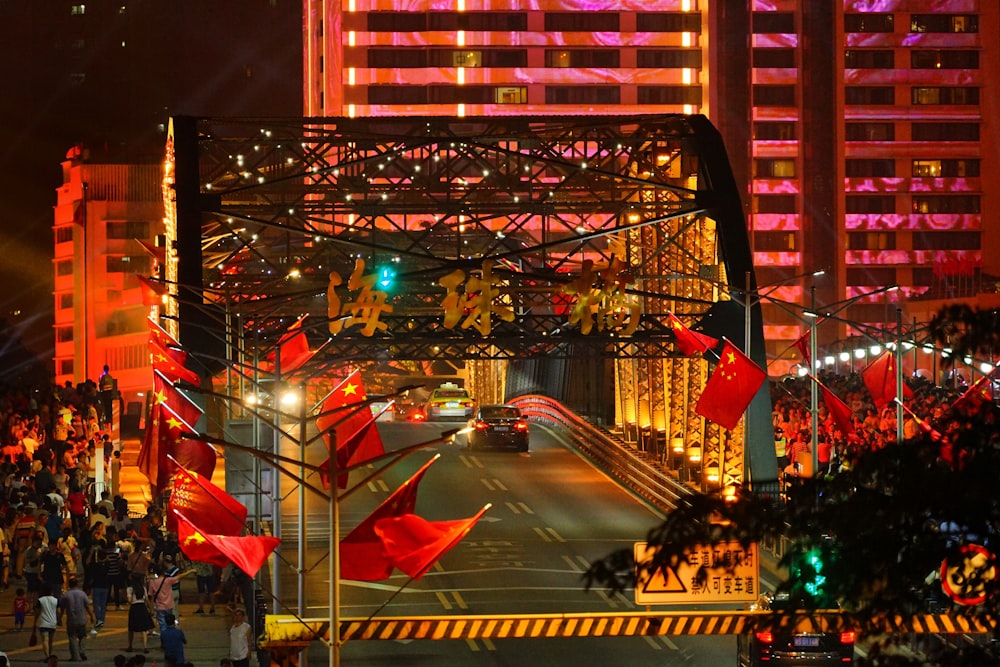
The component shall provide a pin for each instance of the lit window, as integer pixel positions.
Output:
(927, 168)
(512, 95)
(77, 10)
(467, 58)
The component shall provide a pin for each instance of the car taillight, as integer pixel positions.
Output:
(847, 637)
(418, 417)
(481, 425)
(521, 425)
(765, 637)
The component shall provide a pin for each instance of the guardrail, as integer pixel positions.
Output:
(631, 468)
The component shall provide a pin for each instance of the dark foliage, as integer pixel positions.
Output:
(884, 527)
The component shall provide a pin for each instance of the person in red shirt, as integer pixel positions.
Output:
(76, 502)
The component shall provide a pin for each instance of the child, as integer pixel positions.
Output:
(20, 609)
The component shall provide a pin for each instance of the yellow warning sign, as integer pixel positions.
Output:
(724, 572)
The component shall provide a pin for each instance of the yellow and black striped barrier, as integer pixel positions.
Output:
(289, 631)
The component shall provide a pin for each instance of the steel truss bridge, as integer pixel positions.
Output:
(638, 214)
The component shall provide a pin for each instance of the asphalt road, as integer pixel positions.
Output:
(552, 515)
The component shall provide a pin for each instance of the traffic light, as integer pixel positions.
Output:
(386, 277)
(809, 571)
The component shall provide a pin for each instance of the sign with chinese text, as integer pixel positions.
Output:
(724, 572)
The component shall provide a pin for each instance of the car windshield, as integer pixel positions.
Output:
(499, 412)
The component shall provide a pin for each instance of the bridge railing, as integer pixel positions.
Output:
(612, 454)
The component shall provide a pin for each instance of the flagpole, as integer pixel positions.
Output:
(898, 356)
(302, 511)
(334, 578)
(814, 390)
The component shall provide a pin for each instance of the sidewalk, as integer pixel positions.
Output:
(207, 636)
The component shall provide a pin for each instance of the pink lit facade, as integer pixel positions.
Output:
(104, 214)
(865, 154)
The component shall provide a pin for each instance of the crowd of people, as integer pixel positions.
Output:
(871, 428)
(71, 553)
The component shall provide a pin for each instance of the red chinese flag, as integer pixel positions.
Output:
(193, 454)
(362, 554)
(731, 388)
(347, 417)
(838, 409)
(294, 349)
(802, 345)
(975, 396)
(247, 552)
(205, 504)
(690, 343)
(152, 456)
(413, 544)
(152, 292)
(880, 378)
(160, 335)
(169, 362)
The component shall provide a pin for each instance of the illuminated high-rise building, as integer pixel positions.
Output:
(862, 132)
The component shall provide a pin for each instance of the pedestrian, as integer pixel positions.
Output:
(160, 592)
(207, 584)
(46, 618)
(173, 640)
(75, 607)
(100, 584)
(240, 640)
(20, 609)
(139, 619)
(52, 567)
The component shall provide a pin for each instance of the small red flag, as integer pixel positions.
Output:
(171, 444)
(802, 345)
(975, 396)
(731, 387)
(152, 456)
(346, 417)
(152, 292)
(362, 554)
(206, 504)
(169, 361)
(413, 544)
(880, 378)
(247, 552)
(293, 347)
(839, 410)
(690, 343)
(160, 335)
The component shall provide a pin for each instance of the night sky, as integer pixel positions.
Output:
(110, 80)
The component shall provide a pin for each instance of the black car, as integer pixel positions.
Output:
(498, 426)
(774, 648)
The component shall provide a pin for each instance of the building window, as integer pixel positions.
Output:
(668, 58)
(401, 58)
(868, 22)
(466, 58)
(944, 95)
(869, 168)
(774, 204)
(478, 21)
(774, 58)
(773, 168)
(64, 267)
(956, 168)
(511, 95)
(129, 264)
(581, 22)
(945, 132)
(946, 203)
(774, 22)
(77, 10)
(947, 241)
(944, 23)
(128, 230)
(775, 242)
(870, 131)
(64, 334)
(388, 94)
(871, 241)
(774, 96)
(869, 95)
(395, 21)
(774, 131)
(868, 59)
(927, 168)
(667, 22)
(668, 95)
(938, 59)
(64, 234)
(870, 204)
(582, 95)
(582, 58)
(460, 95)
(65, 300)
(65, 366)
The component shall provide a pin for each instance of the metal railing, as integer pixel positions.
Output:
(636, 470)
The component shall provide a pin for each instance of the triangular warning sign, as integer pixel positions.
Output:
(664, 580)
